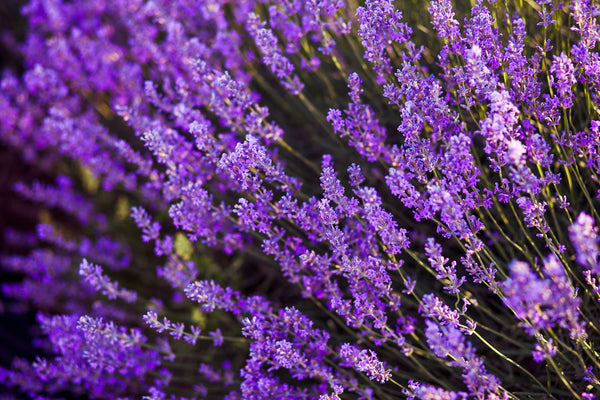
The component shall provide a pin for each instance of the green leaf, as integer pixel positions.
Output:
(183, 246)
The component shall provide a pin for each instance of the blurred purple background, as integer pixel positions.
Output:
(15, 329)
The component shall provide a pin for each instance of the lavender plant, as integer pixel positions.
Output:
(311, 199)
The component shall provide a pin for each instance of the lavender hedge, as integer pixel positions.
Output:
(311, 199)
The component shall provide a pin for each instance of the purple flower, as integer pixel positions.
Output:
(365, 361)
(382, 222)
(442, 15)
(543, 303)
(91, 352)
(563, 78)
(439, 263)
(584, 236)
(267, 44)
(286, 355)
(533, 213)
(92, 274)
(447, 340)
(433, 307)
(217, 337)
(461, 138)
(365, 132)
(379, 28)
(429, 392)
(251, 155)
(544, 351)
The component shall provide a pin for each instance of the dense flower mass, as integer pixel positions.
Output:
(318, 199)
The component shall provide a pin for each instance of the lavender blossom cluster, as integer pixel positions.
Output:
(307, 199)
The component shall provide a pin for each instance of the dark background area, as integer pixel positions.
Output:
(15, 329)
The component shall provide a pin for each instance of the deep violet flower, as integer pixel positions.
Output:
(290, 199)
(543, 303)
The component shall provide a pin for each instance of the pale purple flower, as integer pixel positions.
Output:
(584, 236)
